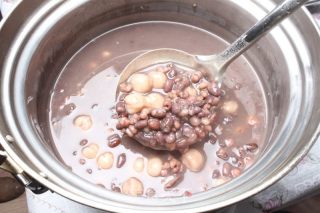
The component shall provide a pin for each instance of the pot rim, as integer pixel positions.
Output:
(62, 190)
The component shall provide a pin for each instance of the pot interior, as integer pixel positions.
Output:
(66, 43)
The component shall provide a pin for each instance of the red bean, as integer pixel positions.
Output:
(204, 93)
(212, 138)
(170, 138)
(212, 100)
(141, 124)
(150, 192)
(222, 143)
(83, 142)
(120, 107)
(144, 113)
(172, 73)
(215, 174)
(160, 138)
(187, 193)
(177, 124)
(121, 160)
(82, 161)
(212, 117)
(202, 85)
(133, 119)
(251, 147)
(182, 102)
(235, 172)
(154, 124)
(115, 188)
(123, 122)
(205, 121)
(133, 129)
(115, 116)
(184, 112)
(175, 181)
(182, 142)
(194, 121)
(187, 130)
(164, 172)
(167, 104)
(222, 153)
(125, 87)
(208, 128)
(175, 165)
(234, 159)
(200, 132)
(199, 103)
(242, 152)
(181, 85)
(183, 94)
(193, 110)
(114, 140)
(204, 113)
(214, 90)
(179, 134)
(176, 108)
(166, 124)
(159, 113)
(196, 76)
(192, 139)
(122, 97)
(226, 169)
(168, 86)
(241, 164)
(129, 133)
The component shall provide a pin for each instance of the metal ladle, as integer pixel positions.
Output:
(213, 65)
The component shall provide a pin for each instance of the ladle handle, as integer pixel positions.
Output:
(285, 9)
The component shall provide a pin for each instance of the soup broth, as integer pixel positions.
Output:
(83, 117)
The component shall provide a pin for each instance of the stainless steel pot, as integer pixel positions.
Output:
(39, 37)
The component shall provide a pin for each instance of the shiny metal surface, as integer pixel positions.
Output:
(38, 38)
(312, 3)
(215, 65)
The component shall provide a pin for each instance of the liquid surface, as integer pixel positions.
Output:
(87, 87)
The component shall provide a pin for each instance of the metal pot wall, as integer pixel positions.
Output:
(38, 38)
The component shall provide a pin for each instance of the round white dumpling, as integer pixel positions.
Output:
(141, 82)
(193, 159)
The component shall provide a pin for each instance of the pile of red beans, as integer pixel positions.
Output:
(168, 108)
